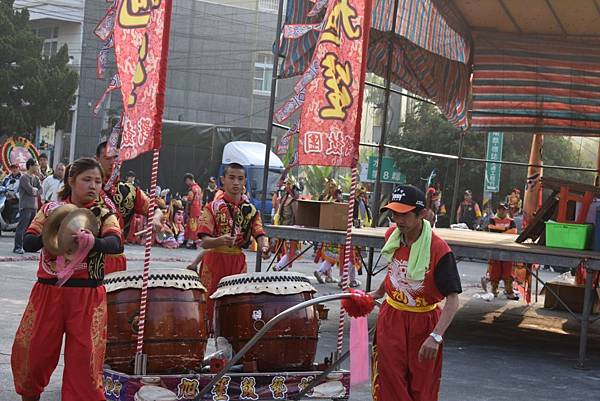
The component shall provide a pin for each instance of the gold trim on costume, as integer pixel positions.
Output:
(22, 345)
(374, 373)
(98, 335)
(234, 250)
(404, 307)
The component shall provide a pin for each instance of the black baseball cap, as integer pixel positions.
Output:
(406, 198)
(503, 205)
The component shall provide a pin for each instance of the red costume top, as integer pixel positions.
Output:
(124, 200)
(440, 279)
(194, 199)
(223, 216)
(499, 225)
(95, 266)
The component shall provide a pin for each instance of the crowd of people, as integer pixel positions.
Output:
(28, 190)
(505, 218)
(178, 218)
(473, 217)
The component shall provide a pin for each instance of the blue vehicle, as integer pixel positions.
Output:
(251, 155)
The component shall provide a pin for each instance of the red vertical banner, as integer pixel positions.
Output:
(141, 36)
(331, 115)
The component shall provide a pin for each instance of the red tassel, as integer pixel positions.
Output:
(360, 304)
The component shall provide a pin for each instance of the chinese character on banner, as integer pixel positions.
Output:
(141, 36)
(330, 119)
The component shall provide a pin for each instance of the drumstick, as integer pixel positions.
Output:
(145, 230)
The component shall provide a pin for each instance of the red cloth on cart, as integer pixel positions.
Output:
(216, 264)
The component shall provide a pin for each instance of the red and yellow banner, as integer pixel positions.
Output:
(141, 36)
(331, 114)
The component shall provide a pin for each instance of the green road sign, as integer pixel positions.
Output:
(389, 172)
(492, 170)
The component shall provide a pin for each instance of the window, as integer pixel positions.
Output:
(50, 36)
(263, 72)
(268, 5)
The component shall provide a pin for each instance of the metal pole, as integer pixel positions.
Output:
(585, 319)
(140, 359)
(369, 268)
(386, 102)
(457, 177)
(263, 199)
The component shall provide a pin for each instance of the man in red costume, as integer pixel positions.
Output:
(194, 205)
(407, 349)
(498, 269)
(123, 199)
(228, 224)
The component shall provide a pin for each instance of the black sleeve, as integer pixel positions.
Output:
(32, 242)
(446, 276)
(111, 244)
(512, 225)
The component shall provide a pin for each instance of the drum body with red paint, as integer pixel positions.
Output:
(175, 332)
(245, 302)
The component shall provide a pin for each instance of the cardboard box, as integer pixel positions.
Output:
(570, 294)
(308, 213)
(324, 215)
(334, 216)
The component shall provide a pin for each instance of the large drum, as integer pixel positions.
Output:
(245, 302)
(176, 330)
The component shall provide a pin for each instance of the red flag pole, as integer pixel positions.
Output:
(347, 254)
(140, 363)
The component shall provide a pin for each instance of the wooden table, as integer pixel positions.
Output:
(473, 245)
(464, 243)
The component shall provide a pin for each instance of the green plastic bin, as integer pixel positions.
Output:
(565, 235)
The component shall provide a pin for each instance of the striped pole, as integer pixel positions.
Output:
(347, 254)
(147, 250)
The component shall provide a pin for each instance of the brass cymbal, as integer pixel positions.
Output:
(76, 220)
(51, 226)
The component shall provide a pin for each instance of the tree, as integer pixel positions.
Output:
(35, 90)
(428, 130)
(316, 177)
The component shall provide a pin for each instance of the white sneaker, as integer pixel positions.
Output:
(354, 283)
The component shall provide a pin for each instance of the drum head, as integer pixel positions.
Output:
(276, 283)
(182, 279)
(154, 393)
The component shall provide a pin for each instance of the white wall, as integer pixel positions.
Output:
(69, 33)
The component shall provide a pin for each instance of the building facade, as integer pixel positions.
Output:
(219, 71)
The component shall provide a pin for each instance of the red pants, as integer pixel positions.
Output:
(289, 248)
(500, 270)
(397, 374)
(215, 266)
(52, 312)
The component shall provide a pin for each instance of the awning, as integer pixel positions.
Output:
(543, 77)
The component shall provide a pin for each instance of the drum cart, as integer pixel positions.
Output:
(328, 384)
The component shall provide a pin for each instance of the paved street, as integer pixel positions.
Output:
(498, 351)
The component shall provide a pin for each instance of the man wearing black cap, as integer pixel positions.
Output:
(407, 349)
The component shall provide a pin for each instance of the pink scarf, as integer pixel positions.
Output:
(86, 243)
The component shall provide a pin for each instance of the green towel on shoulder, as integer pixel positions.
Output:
(420, 251)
